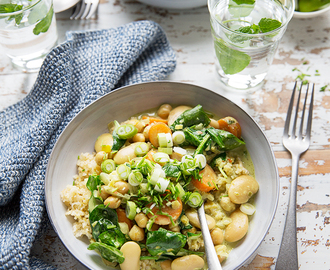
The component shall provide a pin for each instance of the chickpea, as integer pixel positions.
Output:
(164, 110)
(141, 220)
(103, 193)
(139, 137)
(214, 123)
(146, 131)
(136, 233)
(194, 220)
(112, 202)
(217, 236)
(242, 188)
(227, 204)
(166, 265)
(175, 228)
(238, 227)
(221, 252)
(131, 252)
(100, 156)
(121, 186)
(104, 139)
(189, 262)
(137, 123)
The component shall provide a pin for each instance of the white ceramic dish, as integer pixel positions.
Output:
(175, 4)
(306, 15)
(82, 131)
(61, 5)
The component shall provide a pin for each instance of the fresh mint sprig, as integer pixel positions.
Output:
(10, 8)
(265, 25)
(44, 24)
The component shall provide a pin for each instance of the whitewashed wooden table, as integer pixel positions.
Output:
(305, 46)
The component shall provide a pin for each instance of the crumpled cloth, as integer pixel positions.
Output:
(86, 66)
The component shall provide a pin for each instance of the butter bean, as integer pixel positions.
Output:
(217, 236)
(238, 227)
(125, 154)
(104, 139)
(166, 265)
(189, 262)
(164, 111)
(174, 114)
(194, 220)
(131, 252)
(242, 188)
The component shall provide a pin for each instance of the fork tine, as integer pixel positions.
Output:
(93, 9)
(294, 125)
(81, 11)
(288, 115)
(300, 134)
(76, 11)
(87, 10)
(310, 114)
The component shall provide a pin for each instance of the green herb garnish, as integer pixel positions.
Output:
(44, 24)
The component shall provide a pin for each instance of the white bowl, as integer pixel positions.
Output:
(175, 4)
(79, 136)
(306, 15)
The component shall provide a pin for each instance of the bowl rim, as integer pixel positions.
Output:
(248, 259)
(306, 15)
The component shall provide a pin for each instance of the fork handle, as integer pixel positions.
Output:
(288, 255)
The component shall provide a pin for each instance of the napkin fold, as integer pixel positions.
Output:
(74, 74)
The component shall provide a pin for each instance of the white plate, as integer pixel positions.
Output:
(306, 15)
(175, 4)
(80, 134)
(61, 5)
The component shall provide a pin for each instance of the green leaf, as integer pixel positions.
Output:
(113, 237)
(192, 117)
(224, 139)
(244, 2)
(44, 24)
(268, 25)
(9, 8)
(101, 211)
(165, 242)
(109, 253)
(252, 29)
(231, 61)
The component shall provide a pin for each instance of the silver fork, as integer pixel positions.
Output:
(85, 9)
(296, 144)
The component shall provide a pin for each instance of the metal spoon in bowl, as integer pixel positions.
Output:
(211, 255)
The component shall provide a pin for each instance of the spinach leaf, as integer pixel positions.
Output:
(44, 24)
(113, 237)
(192, 117)
(93, 182)
(101, 226)
(172, 170)
(108, 252)
(193, 136)
(203, 145)
(213, 161)
(165, 242)
(101, 211)
(224, 139)
(117, 142)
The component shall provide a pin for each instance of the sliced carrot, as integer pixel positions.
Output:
(150, 155)
(163, 219)
(155, 129)
(154, 119)
(122, 217)
(207, 182)
(231, 125)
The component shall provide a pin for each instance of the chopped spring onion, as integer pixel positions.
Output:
(162, 184)
(123, 171)
(135, 178)
(179, 150)
(161, 158)
(108, 166)
(165, 150)
(126, 131)
(130, 210)
(156, 174)
(105, 178)
(195, 199)
(187, 164)
(178, 127)
(141, 149)
(180, 190)
(169, 141)
(162, 139)
(178, 137)
(247, 208)
(200, 160)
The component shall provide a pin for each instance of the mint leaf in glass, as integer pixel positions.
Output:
(268, 25)
(251, 29)
(244, 2)
(231, 61)
(43, 25)
(9, 8)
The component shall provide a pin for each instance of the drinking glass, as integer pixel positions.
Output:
(246, 34)
(27, 31)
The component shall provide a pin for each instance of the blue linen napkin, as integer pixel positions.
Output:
(74, 74)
